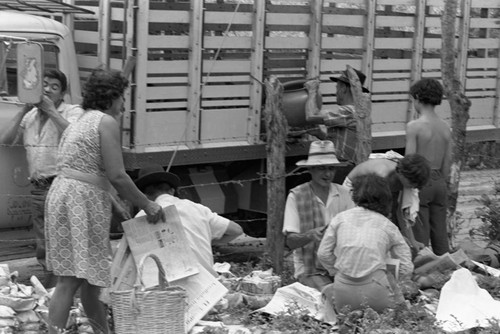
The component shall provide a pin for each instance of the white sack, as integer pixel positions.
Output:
(463, 304)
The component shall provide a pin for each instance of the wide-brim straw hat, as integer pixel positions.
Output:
(345, 79)
(321, 153)
(155, 174)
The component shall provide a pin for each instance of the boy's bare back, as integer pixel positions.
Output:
(430, 137)
(381, 167)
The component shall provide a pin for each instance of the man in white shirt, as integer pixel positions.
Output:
(202, 225)
(39, 129)
(309, 209)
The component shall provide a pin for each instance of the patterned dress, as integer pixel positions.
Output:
(78, 213)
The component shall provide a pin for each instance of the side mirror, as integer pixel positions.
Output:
(30, 72)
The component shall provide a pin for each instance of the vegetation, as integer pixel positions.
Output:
(409, 318)
(489, 214)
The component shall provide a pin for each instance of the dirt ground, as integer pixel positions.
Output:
(17, 251)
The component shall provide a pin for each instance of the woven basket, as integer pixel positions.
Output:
(150, 311)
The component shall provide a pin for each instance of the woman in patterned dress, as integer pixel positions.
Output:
(78, 207)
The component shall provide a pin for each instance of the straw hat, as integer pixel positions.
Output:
(321, 153)
(155, 174)
(345, 79)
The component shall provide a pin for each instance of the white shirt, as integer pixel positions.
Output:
(42, 144)
(201, 226)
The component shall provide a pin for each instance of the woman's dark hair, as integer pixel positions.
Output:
(58, 75)
(372, 192)
(415, 168)
(427, 91)
(102, 88)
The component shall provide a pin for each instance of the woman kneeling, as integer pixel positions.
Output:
(357, 245)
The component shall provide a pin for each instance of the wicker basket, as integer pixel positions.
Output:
(156, 310)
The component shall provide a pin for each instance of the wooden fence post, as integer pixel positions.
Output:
(276, 130)
(459, 105)
(363, 107)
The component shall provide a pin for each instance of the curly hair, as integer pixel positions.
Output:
(427, 91)
(102, 88)
(372, 192)
(58, 75)
(415, 168)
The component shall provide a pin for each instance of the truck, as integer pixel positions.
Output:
(196, 100)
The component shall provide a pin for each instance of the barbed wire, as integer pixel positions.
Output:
(264, 176)
(228, 182)
(262, 136)
(221, 183)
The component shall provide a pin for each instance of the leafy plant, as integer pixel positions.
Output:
(214, 330)
(490, 284)
(403, 319)
(489, 214)
(296, 320)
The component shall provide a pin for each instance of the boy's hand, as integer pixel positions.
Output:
(46, 105)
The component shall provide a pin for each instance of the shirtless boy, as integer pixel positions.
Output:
(430, 137)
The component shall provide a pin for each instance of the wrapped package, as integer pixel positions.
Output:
(260, 283)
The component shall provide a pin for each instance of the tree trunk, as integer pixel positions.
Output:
(459, 105)
(363, 106)
(276, 129)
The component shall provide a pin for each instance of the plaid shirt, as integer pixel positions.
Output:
(358, 242)
(311, 216)
(341, 125)
(305, 211)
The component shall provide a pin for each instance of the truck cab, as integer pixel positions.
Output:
(58, 52)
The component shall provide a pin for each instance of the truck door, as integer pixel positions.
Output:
(15, 204)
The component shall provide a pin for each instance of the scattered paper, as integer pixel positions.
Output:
(167, 240)
(203, 292)
(490, 270)
(295, 295)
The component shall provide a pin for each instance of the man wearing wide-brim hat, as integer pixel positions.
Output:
(340, 120)
(202, 226)
(309, 209)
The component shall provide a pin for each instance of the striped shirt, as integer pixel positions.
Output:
(42, 143)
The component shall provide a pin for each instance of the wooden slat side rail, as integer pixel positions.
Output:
(368, 53)
(313, 61)
(418, 49)
(141, 126)
(256, 71)
(277, 38)
(463, 41)
(195, 70)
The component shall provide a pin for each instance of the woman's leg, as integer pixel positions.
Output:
(61, 302)
(94, 308)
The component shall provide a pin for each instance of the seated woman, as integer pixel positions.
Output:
(357, 245)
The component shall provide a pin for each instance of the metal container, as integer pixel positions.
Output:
(294, 102)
